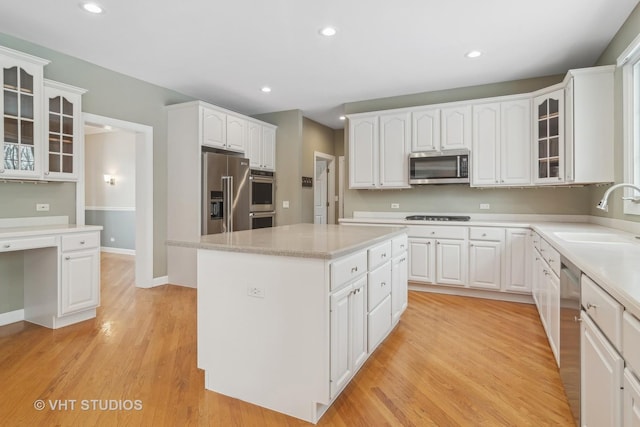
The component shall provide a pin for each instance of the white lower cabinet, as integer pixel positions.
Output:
(80, 284)
(601, 378)
(398, 286)
(422, 260)
(518, 260)
(379, 322)
(451, 262)
(348, 332)
(485, 265)
(631, 400)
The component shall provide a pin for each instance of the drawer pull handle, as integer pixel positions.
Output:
(577, 319)
(484, 234)
(354, 269)
(433, 232)
(403, 259)
(471, 245)
(590, 306)
(383, 255)
(383, 284)
(67, 258)
(7, 246)
(546, 273)
(401, 246)
(82, 242)
(551, 260)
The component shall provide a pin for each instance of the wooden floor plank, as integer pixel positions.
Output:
(451, 361)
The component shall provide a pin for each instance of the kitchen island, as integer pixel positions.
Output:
(287, 315)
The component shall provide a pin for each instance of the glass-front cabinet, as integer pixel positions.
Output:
(549, 138)
(63, 130)
(21, 106)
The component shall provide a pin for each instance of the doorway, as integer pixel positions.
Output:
(143, 137)
(324, 188)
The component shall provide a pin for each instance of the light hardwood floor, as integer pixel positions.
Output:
(451, 361)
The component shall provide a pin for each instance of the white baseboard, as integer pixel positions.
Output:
(117, 250)
(11, 317)
(159, 281)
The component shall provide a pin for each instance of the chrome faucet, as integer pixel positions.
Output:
(603, 203)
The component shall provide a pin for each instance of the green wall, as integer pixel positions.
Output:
(112, 95)
(627, 33)
(315, 137)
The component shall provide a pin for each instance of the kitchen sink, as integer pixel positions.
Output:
(593, 237)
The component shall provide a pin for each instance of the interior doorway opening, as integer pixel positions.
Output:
(324, 191)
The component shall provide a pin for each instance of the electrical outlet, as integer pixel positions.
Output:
(112, 239)
(395, 205)
(485, 206)
(256, 292)
(42, 207)
(285, 204)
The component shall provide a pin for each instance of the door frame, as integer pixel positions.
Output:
(144, 194)
(331, 183)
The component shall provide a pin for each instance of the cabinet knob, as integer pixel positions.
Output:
(401, 246)
(82, 242)
(590, 306)
(502, 180)
(484, 234)
(354, 269)
(67, 258)
(559, 178)
(7, 246)
(383, 284)
(551, 260)
(46, 173)
(433, 232)
(403, 259)
(577, 319)
(384, 255)
(496, 181)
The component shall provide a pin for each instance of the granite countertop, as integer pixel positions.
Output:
(43, 230)
(299, 240)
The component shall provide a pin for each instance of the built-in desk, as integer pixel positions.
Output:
(61, 266)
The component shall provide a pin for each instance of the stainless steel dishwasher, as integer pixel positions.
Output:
(570, 334)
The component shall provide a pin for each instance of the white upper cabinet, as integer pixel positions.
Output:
(548, 138)
(425, 127)
(395, 135)
(63, 131)
(455, 127)
(268, 148)
(21, 105)
(236, 133)
(214, 128)
(363, 152)
(501, 143)
(261, 146)
(589, 126)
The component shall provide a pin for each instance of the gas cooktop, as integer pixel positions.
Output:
(437, 218)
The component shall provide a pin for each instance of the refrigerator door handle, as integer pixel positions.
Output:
(231, 200)
(226, 203)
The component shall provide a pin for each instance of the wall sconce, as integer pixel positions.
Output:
(111, 180)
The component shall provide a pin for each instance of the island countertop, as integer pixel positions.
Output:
(324, 241)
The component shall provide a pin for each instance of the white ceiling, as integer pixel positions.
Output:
(223, 52)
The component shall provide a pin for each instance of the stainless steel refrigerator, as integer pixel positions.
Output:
(225, 193)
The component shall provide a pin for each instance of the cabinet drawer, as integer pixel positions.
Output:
(438, 232)
(348, 268)
(29, 243)
(74, 242)
(486, 233)
(379, 323)
(631, 341)
(535, 240)
(551, 256)
(605, 311)
(379, 285)
(399, 245)
(379, 254)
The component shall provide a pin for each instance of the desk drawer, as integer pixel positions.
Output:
(379, 254)
(27, 243)
(605, 311)
(486, 233)
(348, 268)
(74, 242)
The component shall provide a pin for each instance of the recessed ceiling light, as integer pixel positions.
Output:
(342, 118)
(266, 89)
(473, 54)
(328, 31)
(92, 8)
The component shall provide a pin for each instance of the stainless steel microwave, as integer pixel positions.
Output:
(446, 167)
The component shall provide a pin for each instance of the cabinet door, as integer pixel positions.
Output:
(21, 104)
(451, 262)
(80, 281)
(398, 286)
(269, 148)
(358, 327)
(254, 144)
(601, 378)
(340, 339)
(363, 152)
(518, 261)
(568, 132)
(379, 323)
(394, 150)
(548, 145)
(425, 130)
(63, 130)
(631, 400)
(236, 134)
(485, 266)
(455, 128)
(486, 144)
(515, 146)
(214, 128)
(422, 260)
